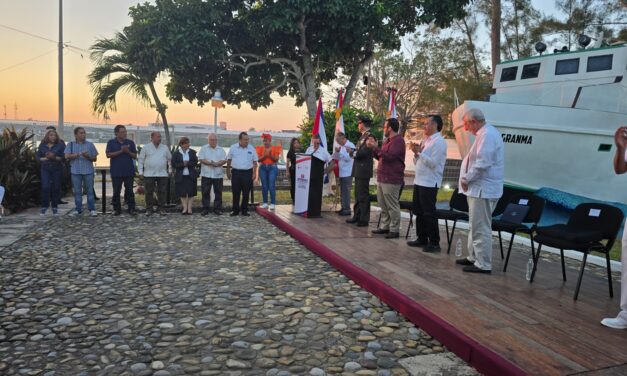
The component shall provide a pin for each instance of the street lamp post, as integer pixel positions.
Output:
(216, 102)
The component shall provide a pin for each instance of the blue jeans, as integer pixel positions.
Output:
(78, 183)
(268, 174)
(50, 188)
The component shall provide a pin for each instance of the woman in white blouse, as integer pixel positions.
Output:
(185, 174)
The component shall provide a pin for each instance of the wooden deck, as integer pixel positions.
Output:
(538, 327)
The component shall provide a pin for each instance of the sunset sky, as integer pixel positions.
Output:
(28, 69)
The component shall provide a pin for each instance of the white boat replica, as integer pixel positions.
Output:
(557, 114)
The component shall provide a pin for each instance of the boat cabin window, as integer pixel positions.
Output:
(530, 71)
(509, 74)
(568, 66)
(599, 63)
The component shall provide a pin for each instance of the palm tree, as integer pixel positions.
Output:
(115, 72)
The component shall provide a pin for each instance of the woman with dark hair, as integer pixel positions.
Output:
(50, 156)
(185, 175)
(291, 164)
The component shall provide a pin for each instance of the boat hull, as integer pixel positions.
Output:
(567, 149)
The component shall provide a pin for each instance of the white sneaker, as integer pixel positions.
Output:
(264, 206)
(93, 213)
(272, 206)
(75, 214)
(614, 323)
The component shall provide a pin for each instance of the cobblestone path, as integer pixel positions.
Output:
(188, 295)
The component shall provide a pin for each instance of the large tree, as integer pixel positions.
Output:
(255, 48)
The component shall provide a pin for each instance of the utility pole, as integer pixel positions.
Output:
(60, 125)
(15, 111)
(5, 112)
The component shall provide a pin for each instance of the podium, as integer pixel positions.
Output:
(309, 183)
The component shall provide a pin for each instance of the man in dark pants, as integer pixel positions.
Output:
(122, 153)
(212, 157)
(154, 164)
(241, 168)
(429, 158)
(362, 172)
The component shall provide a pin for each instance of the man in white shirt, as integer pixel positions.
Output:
(241, 168)
(429, 158)
(481, 180)
(620, 166)
(316, 151)
(154, 164)
(212, 157)
(343, 155)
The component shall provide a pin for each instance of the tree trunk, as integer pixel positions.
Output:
(358, 68)
(161, 111)
(310, 86)
(308, 70)
(471, 49)
(495, 33)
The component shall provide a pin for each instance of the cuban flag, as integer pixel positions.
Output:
(392, 104)
(318, 127)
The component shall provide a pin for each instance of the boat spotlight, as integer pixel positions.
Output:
(540, 47)
(583, 40)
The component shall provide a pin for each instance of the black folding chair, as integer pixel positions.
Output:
(527, 226)
(458, 211)
(587, 228)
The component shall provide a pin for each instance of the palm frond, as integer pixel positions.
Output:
(105, 93)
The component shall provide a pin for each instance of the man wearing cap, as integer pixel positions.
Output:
(362, 172)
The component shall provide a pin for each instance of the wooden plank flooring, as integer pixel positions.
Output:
(538, 327)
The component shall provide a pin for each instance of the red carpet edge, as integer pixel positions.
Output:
(478, 356)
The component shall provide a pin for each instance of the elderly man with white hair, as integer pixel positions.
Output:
(481, 180)
(212, 157)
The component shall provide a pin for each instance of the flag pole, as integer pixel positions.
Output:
(60, 125)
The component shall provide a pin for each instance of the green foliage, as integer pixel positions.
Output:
(426, 75)
(251, 49)
(350, 126)
(19, 170)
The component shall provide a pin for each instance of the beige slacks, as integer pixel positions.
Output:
(480, 231)
(387, 197)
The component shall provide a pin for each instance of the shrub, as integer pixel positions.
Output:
(350, 126)
(19, 170)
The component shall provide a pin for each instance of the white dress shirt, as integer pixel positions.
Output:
(430, 162)
(344, 159)
(322, 153)
(242, 158)
(154, 161)
(484, 166)
(212, 155)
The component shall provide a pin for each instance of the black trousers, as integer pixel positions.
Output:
(241, 183)
(424, 200)
(161, 183)
(292, 184)
(129, 196)
(206, 185)
(361, 208)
